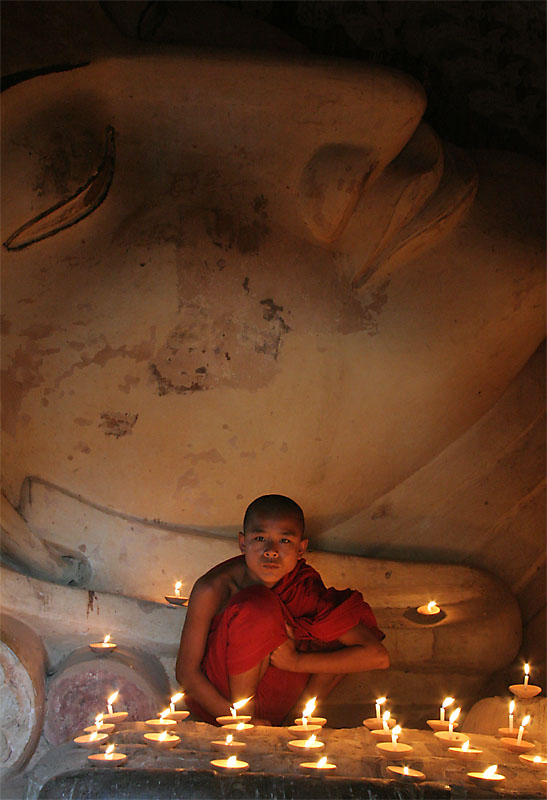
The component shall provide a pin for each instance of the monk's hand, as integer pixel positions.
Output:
(286, 656)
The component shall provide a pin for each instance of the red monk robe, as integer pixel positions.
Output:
(253, 624)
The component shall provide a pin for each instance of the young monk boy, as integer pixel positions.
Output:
(263, 625)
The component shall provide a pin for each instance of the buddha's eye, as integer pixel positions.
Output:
(75, 208)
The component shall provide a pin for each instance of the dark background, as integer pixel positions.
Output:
(482, 64)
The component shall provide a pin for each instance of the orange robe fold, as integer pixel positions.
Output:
(254, 623)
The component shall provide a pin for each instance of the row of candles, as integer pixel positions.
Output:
(382, 728)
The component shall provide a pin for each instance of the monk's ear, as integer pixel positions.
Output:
(303, 547)
(241, 537)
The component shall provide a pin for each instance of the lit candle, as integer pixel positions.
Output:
(111, 700)
(385, 717)
(239, 726)
(173, 713)
(177, 599)
(405, 773)
(526, 674)
(178, 584)
(228, 745)
(162, 741)
(523, 724)
(451, 720)
(446, 702)
(109, 758)
(93, 739)
(234, 716)
(511, 711)
(162, 722)
(429, 609)
(306, 745)
(321, 765)
(533, 762)
(486, 778)
(106, 646)
(100, 726)
(465, 752)
(230, 764)
(379, 702)
(174, 699)
(395, 735)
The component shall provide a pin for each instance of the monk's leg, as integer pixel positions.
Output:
(246, 684)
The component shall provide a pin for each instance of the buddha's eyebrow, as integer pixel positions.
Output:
(73, 209)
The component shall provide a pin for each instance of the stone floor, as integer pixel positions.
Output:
(185, 772)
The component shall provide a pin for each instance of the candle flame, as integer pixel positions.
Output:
(310, 741)
(448, 701)
(527, 669)
(489, 772)
(109, 752)
(537, 759)
(309, 707)
(239, 704)
(163, 736)
(178, 585)
(454, 716)
(93, 736)
(431, 605)
(405, 770)
(231, 762)
(525, 721)
(511, 706)
(240, 726)
(112, 699)
(164, 713)
(176, 697)
(397, 730)
(106, 639)
(386, 715)
(381, 700)
(322, 761)
(99, 720)
(229, 739)
(465, 746)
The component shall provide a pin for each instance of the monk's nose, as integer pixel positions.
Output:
(271, 551)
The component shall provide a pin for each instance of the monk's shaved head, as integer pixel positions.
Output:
(273, 505)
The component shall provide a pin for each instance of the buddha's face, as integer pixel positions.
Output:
(215, 287)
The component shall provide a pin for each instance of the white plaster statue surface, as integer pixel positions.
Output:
(275, 278)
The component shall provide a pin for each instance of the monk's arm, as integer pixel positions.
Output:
(361, 651)
(202, 606)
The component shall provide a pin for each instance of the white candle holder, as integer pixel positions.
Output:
(102, 648)
(229, 719)
(313, 767)
(175, 600)
(514, 746)
(300, 746)
(115, 717)
(104, 728)
(472, 754)
(87, 741)
(321, 721)
(450, 740)
(160, 724)
(230, 748)
(234, 768)
(178, 716)
(394, 751)
(155, 740)
(524, 691)
(374, 724)
(440, 724)
(302, 732)
(102, 760)
(410, 776)
(490, 781)
(530, 762)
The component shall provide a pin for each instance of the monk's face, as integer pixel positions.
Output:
(272, 546)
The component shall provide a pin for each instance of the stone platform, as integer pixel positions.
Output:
(185, 771)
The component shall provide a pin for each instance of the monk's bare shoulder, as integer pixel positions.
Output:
(220, 583)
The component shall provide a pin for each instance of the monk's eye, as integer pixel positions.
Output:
(71, 210)
(285, 541)
(259, 538)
